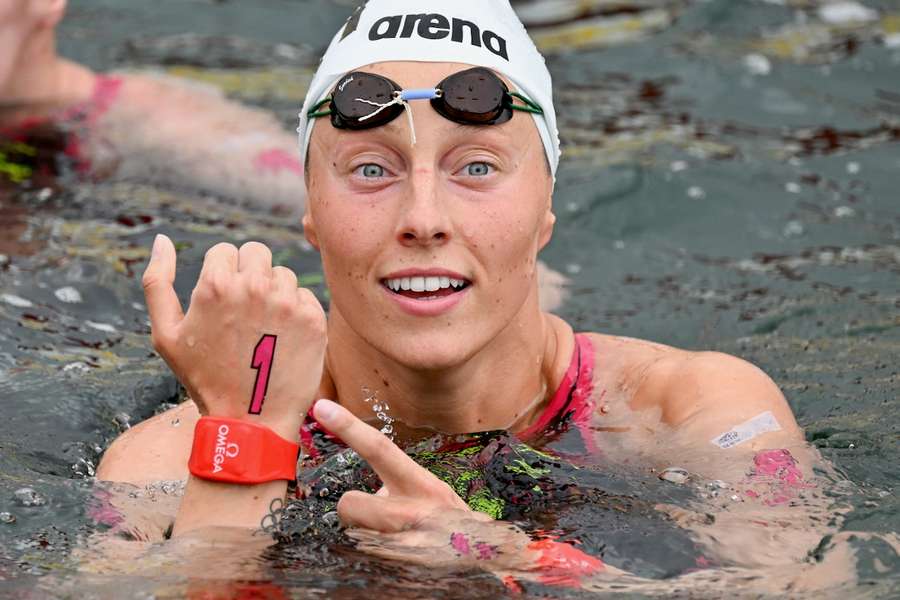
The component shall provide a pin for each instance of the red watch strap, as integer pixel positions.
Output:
(236, 451)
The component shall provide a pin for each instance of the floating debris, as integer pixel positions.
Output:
(757, 64)
(106, 327)
(7, 518)
(675, 475)
(27, 496)
(76, 368)
(16, 301)
(839, 13)
(696, 192)
(68, 295)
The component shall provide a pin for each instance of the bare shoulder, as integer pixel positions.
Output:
(154, 450)
(705, 389)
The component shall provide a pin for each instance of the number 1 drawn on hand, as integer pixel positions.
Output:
(263, 355)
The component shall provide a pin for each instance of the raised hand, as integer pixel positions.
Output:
(251, 345)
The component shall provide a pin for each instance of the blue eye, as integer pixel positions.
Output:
(478, 169)
(372, 170)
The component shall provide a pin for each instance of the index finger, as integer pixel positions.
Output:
(396, 470)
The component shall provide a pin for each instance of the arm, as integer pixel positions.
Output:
(192, 136)
(239, 298)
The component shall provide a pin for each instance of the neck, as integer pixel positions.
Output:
(503, 385)
(38, 81)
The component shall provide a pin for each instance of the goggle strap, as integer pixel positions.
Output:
(315, 113)
(530, 105)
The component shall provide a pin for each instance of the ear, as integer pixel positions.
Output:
(309, 229)
(546, 230)
(52, 13)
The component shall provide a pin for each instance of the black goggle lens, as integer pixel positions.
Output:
(475, 96)
(351, 99)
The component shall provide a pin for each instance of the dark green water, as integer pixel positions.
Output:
(706, 200)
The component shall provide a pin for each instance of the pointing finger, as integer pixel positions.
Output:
(398, 471)
(162, 302)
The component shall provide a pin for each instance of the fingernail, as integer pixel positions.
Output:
(325, 410)
(157, 246)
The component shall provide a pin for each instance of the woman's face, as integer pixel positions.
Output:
(462, 214)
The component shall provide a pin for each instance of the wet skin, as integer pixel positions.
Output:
(472, 201)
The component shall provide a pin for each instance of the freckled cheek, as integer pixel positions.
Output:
(351, 241)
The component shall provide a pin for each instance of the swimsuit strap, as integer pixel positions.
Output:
(572, 402)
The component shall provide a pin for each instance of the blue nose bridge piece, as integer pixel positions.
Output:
(420, 94)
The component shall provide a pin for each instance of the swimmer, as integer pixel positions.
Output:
(136, 127)
(430, 195)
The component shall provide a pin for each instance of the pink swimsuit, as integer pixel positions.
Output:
(73, 124)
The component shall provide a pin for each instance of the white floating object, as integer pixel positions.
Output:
(101, 326)
(17, 301)
(838, 13)
(892, 40)
(78, 368)
(696, 192)
(844, 211)
(757, 64)
(792, 187)
(68, 295)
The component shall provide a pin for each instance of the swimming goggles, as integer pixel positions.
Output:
(472, 97)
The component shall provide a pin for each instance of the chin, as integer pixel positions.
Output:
(436, 351)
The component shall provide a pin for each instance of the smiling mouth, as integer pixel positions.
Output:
(425, 288)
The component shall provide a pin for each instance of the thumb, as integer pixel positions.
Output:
(162, 302)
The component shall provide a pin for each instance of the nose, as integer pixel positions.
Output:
(423, 219)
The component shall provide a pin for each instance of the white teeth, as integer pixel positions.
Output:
(431, 283)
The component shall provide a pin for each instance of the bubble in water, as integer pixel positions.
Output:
(27, 496)
(376, 407)
(793, 187)
(7, 518)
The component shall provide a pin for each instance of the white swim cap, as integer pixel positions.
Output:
(483, 33)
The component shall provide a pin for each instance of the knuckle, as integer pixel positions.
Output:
(161, 341)
(258, 286)
(150, 279)
(381, 444)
